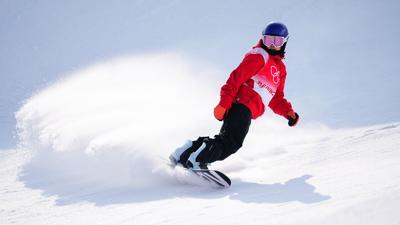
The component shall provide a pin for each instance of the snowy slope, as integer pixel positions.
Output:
(338, 177)
(104, 162)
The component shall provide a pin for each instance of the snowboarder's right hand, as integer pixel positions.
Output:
(293, 118)
(219, 112)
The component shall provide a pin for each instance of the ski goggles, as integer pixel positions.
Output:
(276, 41)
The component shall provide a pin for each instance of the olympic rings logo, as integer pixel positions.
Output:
(275, 74)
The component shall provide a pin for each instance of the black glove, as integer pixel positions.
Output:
(293, 118)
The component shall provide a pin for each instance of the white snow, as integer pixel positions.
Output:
(93, 150)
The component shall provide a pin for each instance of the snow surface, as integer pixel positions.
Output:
(93, 151)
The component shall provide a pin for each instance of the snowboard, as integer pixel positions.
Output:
(213, 177)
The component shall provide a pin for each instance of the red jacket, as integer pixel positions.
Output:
(258, 81)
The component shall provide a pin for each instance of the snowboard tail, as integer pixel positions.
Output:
(213, 177)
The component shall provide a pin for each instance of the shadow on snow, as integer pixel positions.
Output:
(293, 190)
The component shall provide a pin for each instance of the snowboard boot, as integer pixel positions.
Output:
(181, 154)
(196, 159)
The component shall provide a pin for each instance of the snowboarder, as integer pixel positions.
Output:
(257, 82)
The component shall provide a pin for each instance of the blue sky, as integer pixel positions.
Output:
(342, 55)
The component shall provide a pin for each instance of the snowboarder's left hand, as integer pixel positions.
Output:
(293, 118)
(219, 112)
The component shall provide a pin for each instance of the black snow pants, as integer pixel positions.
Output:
(231, 136)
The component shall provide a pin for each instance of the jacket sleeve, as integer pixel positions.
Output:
(250, 65)
(278, 103)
